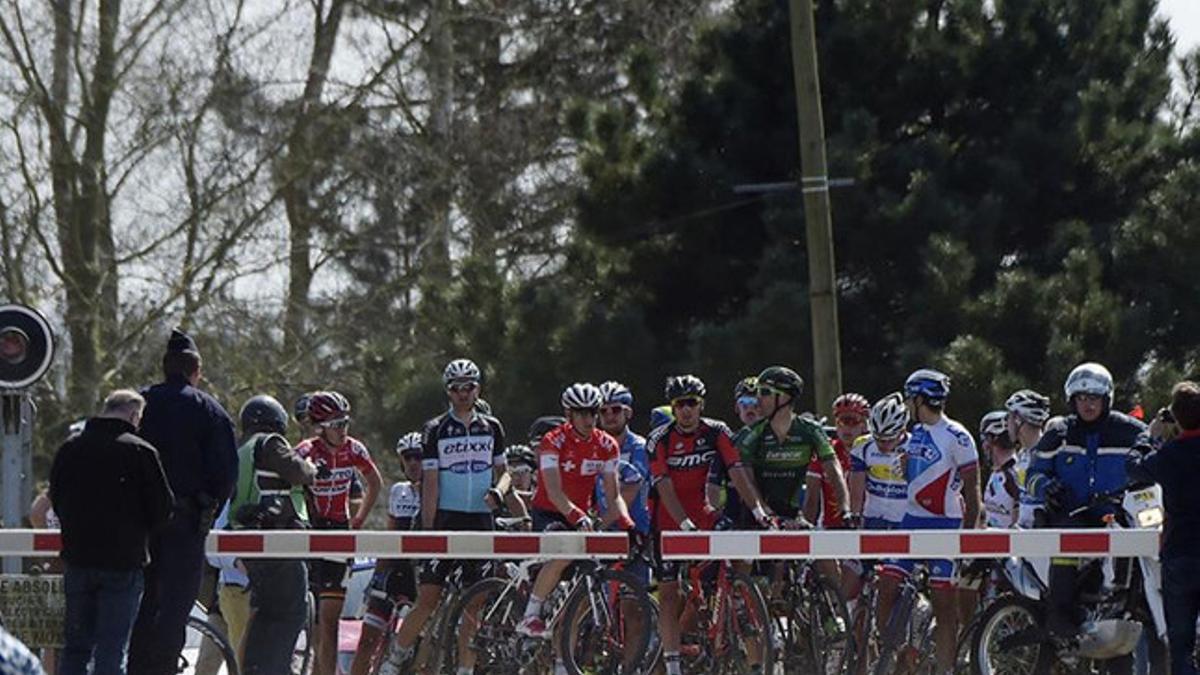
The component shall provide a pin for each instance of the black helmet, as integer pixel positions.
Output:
(783, 379)
(263, 413)
(684, 385)
(543, 424)
(300, 407)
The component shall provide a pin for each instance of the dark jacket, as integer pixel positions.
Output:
(195, 440)
(1175, 467)
(109, 491)
(1088, 459)
(269, 463)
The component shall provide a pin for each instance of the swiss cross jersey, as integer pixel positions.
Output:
(935, 456)
(1001, 496)
(404, 503)
(685, 459)
(463, 454)
(330, 496)
(831, 516)
(579, 460)
(886, 488)
(780, 465)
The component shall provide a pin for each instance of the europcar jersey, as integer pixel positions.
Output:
(886, 487)
(780, 465)
(463, 454)
(579, 460)
(331, 495)
(685, 459)
(935, 456)
(404, 504)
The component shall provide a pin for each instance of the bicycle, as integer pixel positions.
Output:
(812, 621)
(725, 626)
(907, 637)
(429, 654)
(209, 639)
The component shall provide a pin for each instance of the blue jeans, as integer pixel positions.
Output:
(1181, 600)
(101, 608)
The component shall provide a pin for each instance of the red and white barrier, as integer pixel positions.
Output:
(675, 545)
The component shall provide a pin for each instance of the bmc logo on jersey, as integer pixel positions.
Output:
(691, 461)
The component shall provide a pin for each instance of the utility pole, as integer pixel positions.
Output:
(814, 182)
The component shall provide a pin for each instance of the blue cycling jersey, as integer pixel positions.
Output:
(634, 467)
(464, 455)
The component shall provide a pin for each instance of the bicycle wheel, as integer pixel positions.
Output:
(606, 626)
(490, 610)
(747, 631)
(1008, 639)
(893, 636)
(203, 635)
(831, 641)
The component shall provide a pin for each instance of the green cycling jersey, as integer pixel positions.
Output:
(779, 466)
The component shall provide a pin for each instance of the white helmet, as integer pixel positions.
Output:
(994, 423)
(889, 417)
(408, 442)
(1089, 378)
(1030, 406)
(461, 370)
(581, 395)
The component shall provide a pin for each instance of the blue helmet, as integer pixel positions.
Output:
(660, 416)
(934, 385)
(615, 392)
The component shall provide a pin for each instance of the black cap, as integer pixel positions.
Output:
(181, 342)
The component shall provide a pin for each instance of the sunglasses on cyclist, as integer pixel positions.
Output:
(462, 387)
(337, 424)
(520, 469)
(850, 421)
(585, 411)
(769, 391)
(746, 401)
(688, 402)
(611, 409)
(411, 455)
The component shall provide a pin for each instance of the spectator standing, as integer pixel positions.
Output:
(1175, 467)
(195, 440)
(110, 493)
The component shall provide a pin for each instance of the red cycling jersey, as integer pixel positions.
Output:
(579, 462)
(330, 496)
(685, 459)
(831, 516)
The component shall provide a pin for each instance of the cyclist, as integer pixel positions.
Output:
(337, 456)
(680, 454)
(850, 423)
(719, 489)
(1028, 412)
(633, 470)
(1079, 457)
(464, 479)
(300, 414)
(1001, 496)
(571, 458)
(522, 466)
(394, 583)
(941, 468)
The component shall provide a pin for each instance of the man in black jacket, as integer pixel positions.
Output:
(110, 493)
(270, 496)
(195, 440)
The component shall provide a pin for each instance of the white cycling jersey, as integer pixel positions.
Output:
(887, 491)
(1027, 503)
(935, 456)
(403, 501)
(1000, 497)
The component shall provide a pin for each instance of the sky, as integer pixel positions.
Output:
(1184, 16)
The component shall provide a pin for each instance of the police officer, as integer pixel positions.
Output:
(270, 496)
(195, 440)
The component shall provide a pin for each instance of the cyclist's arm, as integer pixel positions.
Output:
(616, 505)
(374, 487)
(743, 482)
(812, 497)
(712, 487)
(516, 505)
(858, 491)
(554, 490)
(670, 500)
(970, 494)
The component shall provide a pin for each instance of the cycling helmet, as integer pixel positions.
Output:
(300, 407)
(410, 443)
(934, 385)
(1089, 378)
(581, 396)
(520, 454)
(889, 417)
(461, 370)
(747, 386)
(542, 425)
(994, 423)
(615, 392)
(1030, 406)
(263, 413)
(683, 386)
(851, 404)
(660, 416)
(483, 407)
(328, 406)
(783, 379)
